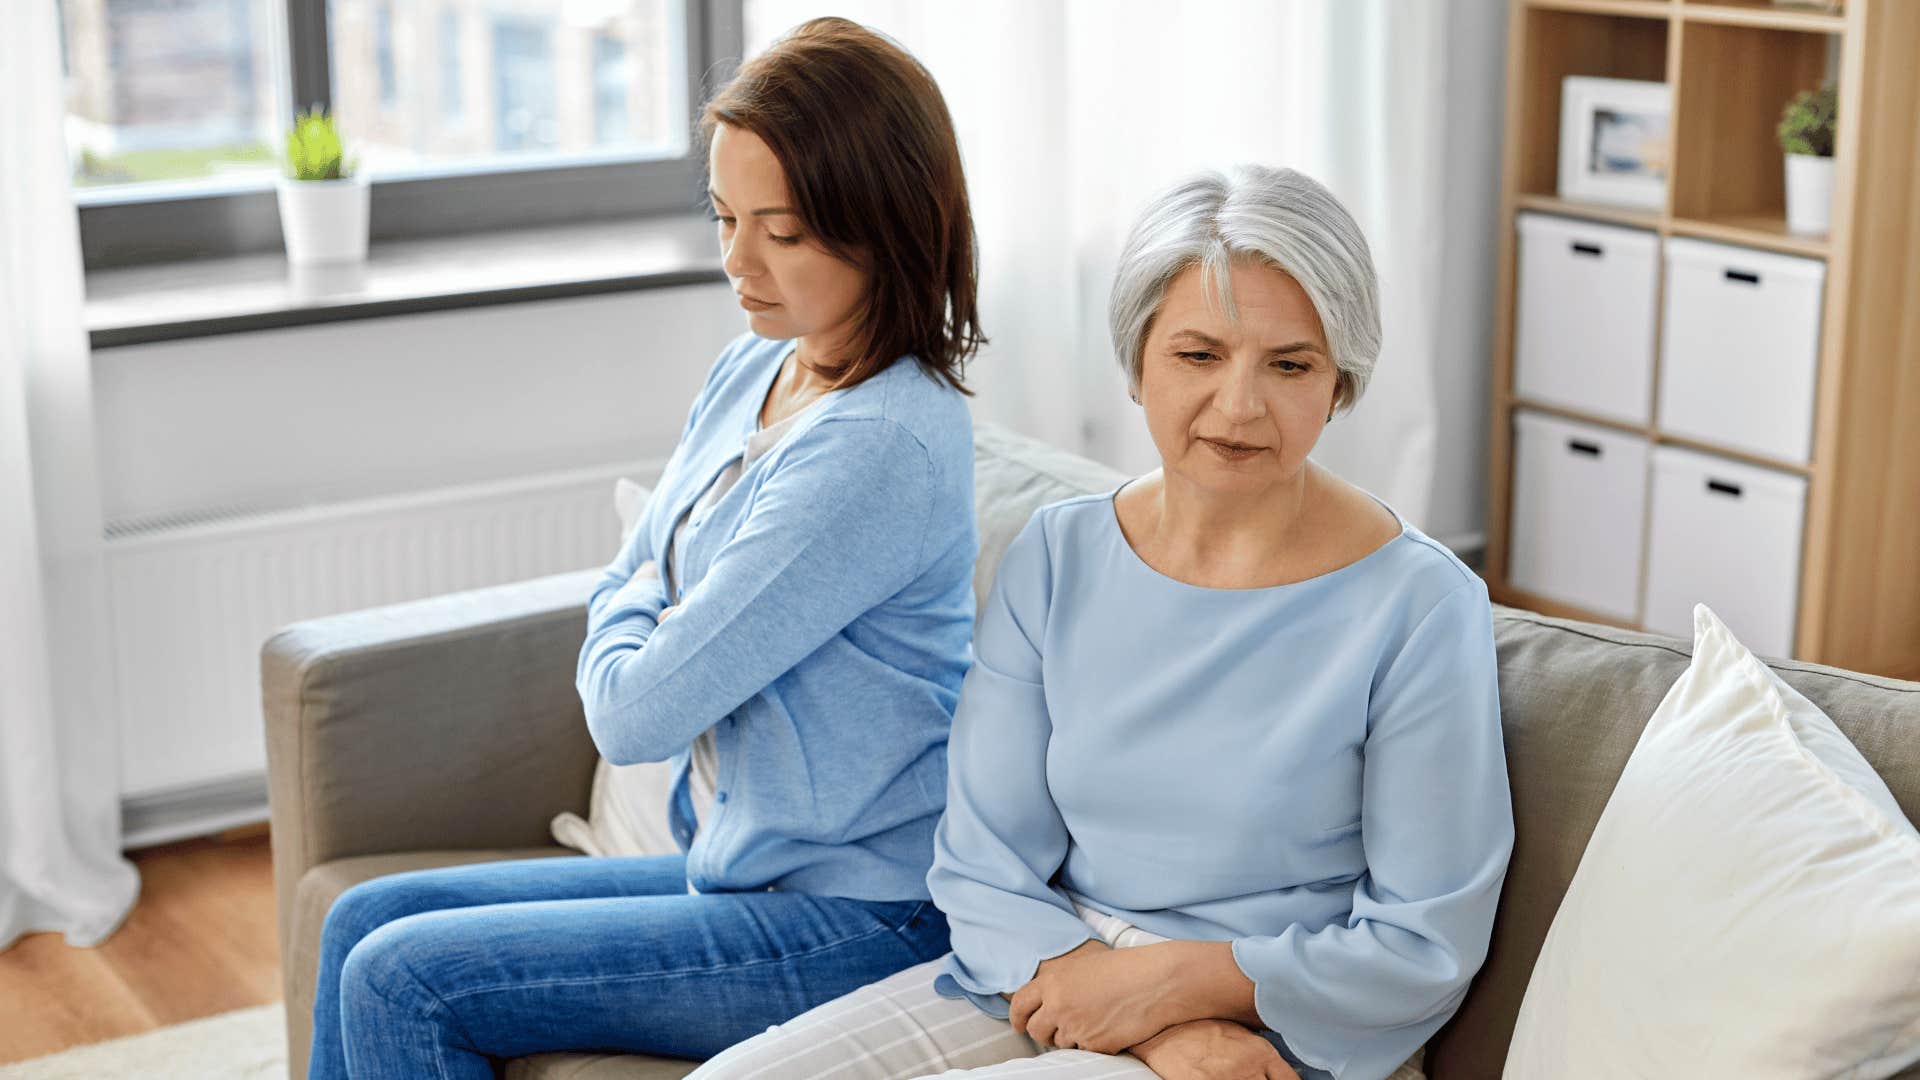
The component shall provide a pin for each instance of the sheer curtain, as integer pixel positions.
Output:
(1072, 113)
(60, 862)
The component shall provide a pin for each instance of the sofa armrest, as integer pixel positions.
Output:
(444, 723)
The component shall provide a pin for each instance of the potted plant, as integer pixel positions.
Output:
(1806, 134)
(324, 199)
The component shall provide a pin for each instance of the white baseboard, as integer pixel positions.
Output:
(199, 810)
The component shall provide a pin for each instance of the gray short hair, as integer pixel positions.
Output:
(1281, 217)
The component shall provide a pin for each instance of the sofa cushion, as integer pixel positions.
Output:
(322, 884)
(1012, 477)
(1748, 905)
(315, 894)
(1574, 698)
(598, 1067)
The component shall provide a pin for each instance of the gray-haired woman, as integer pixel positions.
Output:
(1227, 795)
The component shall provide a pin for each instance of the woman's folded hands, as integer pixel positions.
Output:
(1181, 1007)
(1213, 1050)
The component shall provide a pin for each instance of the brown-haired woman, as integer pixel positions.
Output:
(788, 624)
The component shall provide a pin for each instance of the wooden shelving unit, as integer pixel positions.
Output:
(1732, 64)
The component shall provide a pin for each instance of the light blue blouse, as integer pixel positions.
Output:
(1312, 771)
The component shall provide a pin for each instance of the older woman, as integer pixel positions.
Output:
(1227, 795)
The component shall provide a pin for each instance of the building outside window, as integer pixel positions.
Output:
(611, 81)
(383, 54)
(162, 90)
(453, 97)
(525, 115)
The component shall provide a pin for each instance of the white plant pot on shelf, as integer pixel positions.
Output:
(1809, 193)
(325, 221)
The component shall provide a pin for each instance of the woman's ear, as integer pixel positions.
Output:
(1342, 393)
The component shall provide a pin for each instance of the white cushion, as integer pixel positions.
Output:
(627, 810)
(1748, 905)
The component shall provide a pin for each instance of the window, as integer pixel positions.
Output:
(541, 71)
(177, 110)
(168, 90)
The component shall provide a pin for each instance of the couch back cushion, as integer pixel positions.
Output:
(1012, 477)
(1573, 699)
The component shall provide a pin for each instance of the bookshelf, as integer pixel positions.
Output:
(1732, 65)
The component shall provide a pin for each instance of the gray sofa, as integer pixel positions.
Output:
(448, 731)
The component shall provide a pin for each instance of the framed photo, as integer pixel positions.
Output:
(1613, 141)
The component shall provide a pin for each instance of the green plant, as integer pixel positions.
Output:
(1807, 123)
(313, 148)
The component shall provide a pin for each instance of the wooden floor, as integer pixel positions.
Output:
(199, 942)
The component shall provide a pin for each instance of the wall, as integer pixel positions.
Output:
(289, 417)
(1463, 376)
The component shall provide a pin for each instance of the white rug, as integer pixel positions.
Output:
(247, 1044)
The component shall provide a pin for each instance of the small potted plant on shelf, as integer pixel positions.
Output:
(324, 199)
(1806, 134)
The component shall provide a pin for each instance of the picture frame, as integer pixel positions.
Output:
(1614, 141)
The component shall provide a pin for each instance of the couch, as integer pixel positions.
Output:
(448, 730)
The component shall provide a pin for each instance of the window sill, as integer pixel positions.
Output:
(200, 298)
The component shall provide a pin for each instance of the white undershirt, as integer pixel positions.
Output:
(703, 767)
(1112, 929)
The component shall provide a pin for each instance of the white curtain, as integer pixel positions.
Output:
(1072, 113)
(60, 862)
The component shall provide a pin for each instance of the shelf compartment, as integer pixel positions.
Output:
(1584, 316)
(1579, 505)
(1729, 171)
(1563, 42)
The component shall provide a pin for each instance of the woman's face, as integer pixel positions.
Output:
(1234, 407)
(789, 285)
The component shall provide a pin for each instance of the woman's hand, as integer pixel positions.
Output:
(1094, 998)
(1213, 1050)
(650, 569)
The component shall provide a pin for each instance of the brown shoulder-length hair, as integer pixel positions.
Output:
(874, 170)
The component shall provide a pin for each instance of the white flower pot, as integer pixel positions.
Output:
(325, 221)
(1809, 193)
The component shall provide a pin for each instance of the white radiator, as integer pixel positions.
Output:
(193, 598)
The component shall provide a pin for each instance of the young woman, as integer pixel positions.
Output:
(1228, 795)
(789, 623)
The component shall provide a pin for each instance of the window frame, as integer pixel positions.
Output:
(235, 217)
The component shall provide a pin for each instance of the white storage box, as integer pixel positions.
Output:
(1583, 335)
(1740, 347)
(1579, 494)
(1727, 535)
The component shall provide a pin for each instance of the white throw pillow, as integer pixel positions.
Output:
(1748, 906)
(627, 810)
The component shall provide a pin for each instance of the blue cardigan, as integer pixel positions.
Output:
(1313, 772)
(822, 635)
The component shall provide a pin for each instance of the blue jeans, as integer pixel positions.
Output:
(432, 973)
